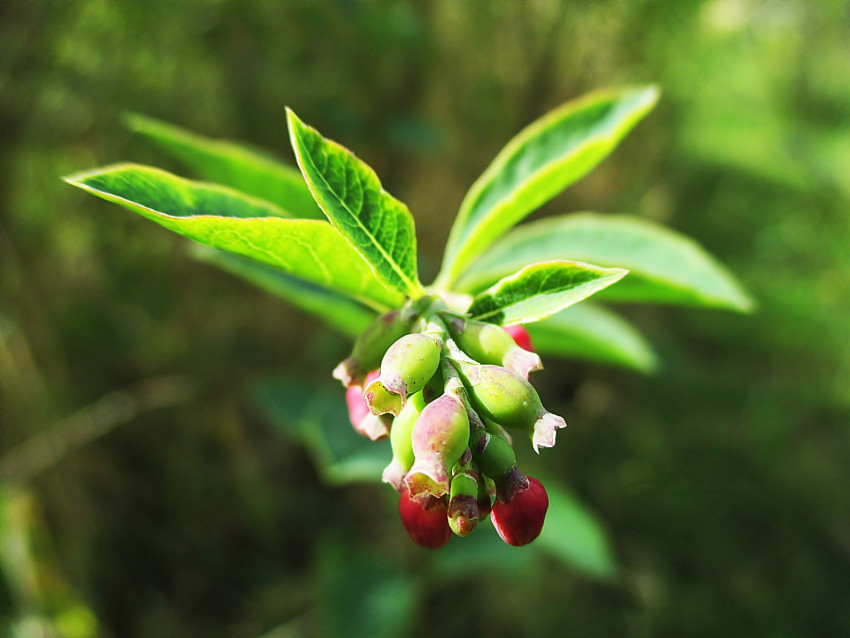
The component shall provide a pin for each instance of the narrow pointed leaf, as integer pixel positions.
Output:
(234, 165)
(574, 535)
(339, 311)
(349, 192)
(540, 162)
(229, 220)
(591, 332)
(664, 266)
(540, 290)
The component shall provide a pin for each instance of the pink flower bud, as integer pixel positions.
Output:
(520, 335)
(364, 422)
(440, 437)
(425, 520)
(521, 521)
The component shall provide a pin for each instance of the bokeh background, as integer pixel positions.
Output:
(146, 493)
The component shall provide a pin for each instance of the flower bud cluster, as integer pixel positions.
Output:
(448, 391)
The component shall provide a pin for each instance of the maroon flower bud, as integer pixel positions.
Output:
(440, 437)
(520, 335)
(364, 422)
(521, 521)
(425, 520)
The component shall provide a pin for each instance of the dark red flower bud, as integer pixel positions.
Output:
(425, 519)
(520, 335)
(520, 521)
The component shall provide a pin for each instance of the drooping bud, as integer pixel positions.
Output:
(520, 335)
(511, 401)
(371, 425)
(406, 367)
(490, 344)
(371, 345)
(496, 459)
(425, 520)
(463, 510)
(400, 441)
(521, 521)
(440, 436)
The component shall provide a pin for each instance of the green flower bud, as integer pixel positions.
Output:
(440, 436)
(511, 401)
(371, 345)
(496, 459)
(406, 367)
(401, 443)
(463, 510)
(490, 344)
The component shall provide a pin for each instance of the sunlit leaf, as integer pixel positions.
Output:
(664, 266)
(540, 162)
(229, 220)
(540, 290)
(349, 192)
(589, 331)
(234, 165)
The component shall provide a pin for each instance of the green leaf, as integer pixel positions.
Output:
(664, 266)
(233, 165)
(540, 162)
(229, 220)
(540, 290)
(349, 192)
(572, 534)
(364, 593)
(591, 332)
(339, 311)
(318, 418)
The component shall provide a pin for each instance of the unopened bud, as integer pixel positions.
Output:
(511, 401)
(425, 520)
(496, 459)
(440, 436)
(490, 344)
(400, 441)
(371, 345)
(373, 426)
(521, 521)
(406, 367)
(463, 510)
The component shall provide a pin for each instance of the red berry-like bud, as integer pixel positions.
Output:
(520, 335)
(364, 422)
(427, 524)
(520, 521)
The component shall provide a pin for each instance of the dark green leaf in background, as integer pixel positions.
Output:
(546, 157)
(594, 333)
(540, 290)
(349, 192)
(229, 220)
(339, 311)
(224, 162)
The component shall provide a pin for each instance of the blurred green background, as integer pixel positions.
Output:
(145, 491)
